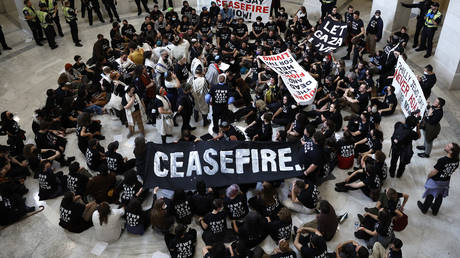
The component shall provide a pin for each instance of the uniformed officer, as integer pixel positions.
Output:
(424, 6)
(94, 5)
(326, 7)
(46, 22)
(432, 20)
(52, 9)
(31, 18)
(71, 18)
(3, 41)
(111, 9)
(146, 7)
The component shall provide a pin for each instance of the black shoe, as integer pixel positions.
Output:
(392, 174)
(40, 44)
(350, 173)
(360, 218)
(294, 228)
(414, 46)
(420, 147)
(341, 189)
(427, 55)
(191, 128)
(61, 35)
(169, 135)
(356, 168)
(139, 12)
(196, 115)
(78, 45)
(164, 9)
(343, 217)
(206, 122)
(420, 49)
(7, 48)
(111, 20)
(435, 212)
(341, 184)
(54, 47)
(347, 57)
(423, 155)
(102, 21)
(100, 137)
(118, 20)
(420, 206)
(398, 175)
(70, 159)
(367, 209)
(215, 130)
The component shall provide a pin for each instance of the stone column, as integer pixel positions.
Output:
(313, 10)
(447, 53)
(20, 16)
(394, 15)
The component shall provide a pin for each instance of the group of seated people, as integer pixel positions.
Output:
(175, 69)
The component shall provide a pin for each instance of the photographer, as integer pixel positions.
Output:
(431, 126)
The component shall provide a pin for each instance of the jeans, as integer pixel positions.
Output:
(94, 109)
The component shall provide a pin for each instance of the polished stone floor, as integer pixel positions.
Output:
(27, 71)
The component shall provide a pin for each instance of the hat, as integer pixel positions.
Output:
(435, 4)
(378, 11)
(170, 9)
(68, 66)
(204, 8)
(112, 146)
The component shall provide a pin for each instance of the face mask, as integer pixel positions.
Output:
(374, 109)
(215, 53)
(281, 12)
(377, 16)
(425, 73)
(258, 52)
(325, 59)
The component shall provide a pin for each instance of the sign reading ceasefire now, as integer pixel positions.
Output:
(299, 82)
(246, 9)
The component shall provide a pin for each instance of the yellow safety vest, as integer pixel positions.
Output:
(42, 18)
(67, 15)
(31, 13)
(431, 17)
(50, 4)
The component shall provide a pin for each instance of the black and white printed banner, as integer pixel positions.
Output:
(330, 36)
(299, 82)
(219, 163)
(408, 89)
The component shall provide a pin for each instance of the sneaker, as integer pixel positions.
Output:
(343, 217)
(420, 49)
(350, 173)
(70, 159)
(30, 209)
(420, 147)
(7, 48)
(78, 44)
(347, 57)
(54, 47)
(360, 218)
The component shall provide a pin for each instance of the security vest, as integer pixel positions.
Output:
(68, 17)
(430, 17)
(42, 18)
(31, 12)
(50, 4)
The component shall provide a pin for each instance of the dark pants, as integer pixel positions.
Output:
(111, 9)
(74, 31)
(274, 7)
(36, 31)
(418, 29)
(427, 39)
(217, 114)
(429, 203)
(58, 24)
(50, 34)
(2, 39)
(325, 9)
(90, 15)
(186, 121)
(144, 3)
(170, 2)
(396, 153)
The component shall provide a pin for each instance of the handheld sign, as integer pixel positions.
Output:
(299, 82)
(248, 9)
(330, 36)
(408, 88)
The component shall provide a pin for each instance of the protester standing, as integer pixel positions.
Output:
(424, 6)
(374, 32)
(432, 126)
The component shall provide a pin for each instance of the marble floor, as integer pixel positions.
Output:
(27, 71)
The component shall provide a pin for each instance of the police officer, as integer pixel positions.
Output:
(31, 18)
(71, 18)
(432, 19)
(3, 41)
(146, 7)
(53, 12)
(94, 5)
(111, 8)
(46, 22)
(424, 6)
(326, 7)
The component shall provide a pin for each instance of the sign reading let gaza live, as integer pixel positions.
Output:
(411, 94)
(246, 9)
(330, 35)
(300, 83)
(220, 163)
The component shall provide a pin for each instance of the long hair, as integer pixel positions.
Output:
(268, 193)
(158, 214)
(139, 146)
(84, 119)
(134, 206)
(104, 211)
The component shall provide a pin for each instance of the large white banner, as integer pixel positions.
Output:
(247, 9)
(408, 88)
(299, 82)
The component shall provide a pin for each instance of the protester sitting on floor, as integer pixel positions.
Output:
(108, 222)
(51, 185)
(312, 245)
(182, 243)
(161, 215)
(75, 215)
(77, 179)
(137, 219)
(101, 187)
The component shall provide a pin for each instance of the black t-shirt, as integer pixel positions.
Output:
(314, 156)
(363, 100)
(271, 26)
(76, 183)
(93, 158)
(204, 28)
(236, 208)
(224, 34)
(186, 101)
(240, 29)
(307, 251)
(217, 223)
(395, 254)
(280, 230)
(47, 183)
(257, 27)
(182, 210)
(114, 161)
(384, 228)
(129, 191)
(446, 167)
(181, 72)
(372, 181)
(201, 204)
(356, 26)
(70, 215)
(349, 250)
(233, 131)
(309, 197)
(428, 81)
(183, 247)
(289, 254)
(220, 95)
(346, 149)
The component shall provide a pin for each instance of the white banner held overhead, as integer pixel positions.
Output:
(246, 9)
(299, 82)
(408, 87)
